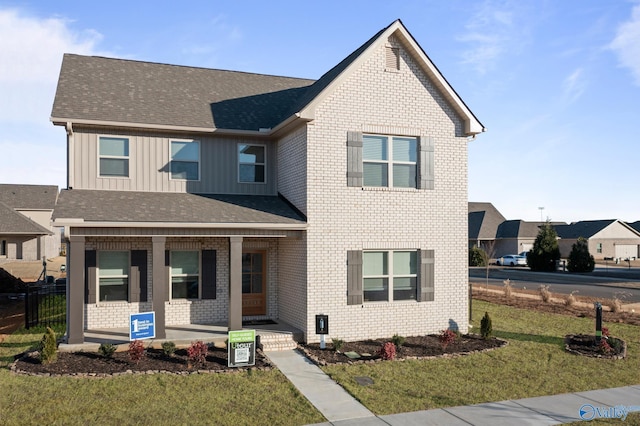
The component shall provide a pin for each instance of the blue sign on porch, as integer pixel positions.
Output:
(142, 326)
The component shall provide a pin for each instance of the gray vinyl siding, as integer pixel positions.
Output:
(149, 164)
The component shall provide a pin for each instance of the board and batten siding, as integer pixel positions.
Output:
(149, 157)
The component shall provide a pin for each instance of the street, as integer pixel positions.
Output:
(604, 282)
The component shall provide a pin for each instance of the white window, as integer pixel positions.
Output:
(185, 274)
(113, 275)
(389, 275)
(185, 160)
(114, 156)
(251, 163)
(389, 161)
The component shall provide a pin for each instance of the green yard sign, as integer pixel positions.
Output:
(241, 350)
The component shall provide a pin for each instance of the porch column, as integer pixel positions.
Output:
(75, 291)
(235, 283)
(159, 281)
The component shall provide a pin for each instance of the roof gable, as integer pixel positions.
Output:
(596, 229)
(14, 223)
(340, 72)
(484, 220)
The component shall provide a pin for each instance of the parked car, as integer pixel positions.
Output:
(512, 260)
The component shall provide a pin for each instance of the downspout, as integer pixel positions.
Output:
(70, 149)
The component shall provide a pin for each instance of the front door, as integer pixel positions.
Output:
(254, 288)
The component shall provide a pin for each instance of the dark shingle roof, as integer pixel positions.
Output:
(635, 225)
(117, 90)
(168, 207)
(484, 220)
(585, 228)
(36, 197)
(12, 222)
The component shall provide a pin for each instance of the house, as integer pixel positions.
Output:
(606, 238)
(25, 228)
(213, 197)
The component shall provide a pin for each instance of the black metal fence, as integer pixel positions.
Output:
(45, 305)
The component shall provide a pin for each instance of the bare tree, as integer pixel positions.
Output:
(488, 251)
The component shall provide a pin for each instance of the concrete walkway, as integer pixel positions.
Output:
(341, 409)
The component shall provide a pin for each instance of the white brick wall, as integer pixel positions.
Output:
(179, 312)
(344, 218)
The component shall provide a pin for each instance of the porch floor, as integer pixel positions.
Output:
(181, 335)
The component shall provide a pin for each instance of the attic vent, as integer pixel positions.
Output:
(393, 59)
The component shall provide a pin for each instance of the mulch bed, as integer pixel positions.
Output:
(418, 347)
(585, 345)
(90, 364)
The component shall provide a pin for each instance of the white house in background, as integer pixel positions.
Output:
(212, 196)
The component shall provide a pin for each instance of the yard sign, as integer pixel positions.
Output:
(241, 350)
(142, 326)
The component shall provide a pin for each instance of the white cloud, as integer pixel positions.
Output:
(493, 31)
(627, 44)
(31, 49)
(573, 86)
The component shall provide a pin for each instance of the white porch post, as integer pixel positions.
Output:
(160, 284)
(235, 283)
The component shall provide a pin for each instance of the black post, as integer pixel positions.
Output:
(598, 306)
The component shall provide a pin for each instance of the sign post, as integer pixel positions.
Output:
(142, 326)
(241, 349)
(322, 328)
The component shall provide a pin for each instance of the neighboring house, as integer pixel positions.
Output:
(606, 238)
(516, 236)
(484, 220)
(212, 196)
(25, 225)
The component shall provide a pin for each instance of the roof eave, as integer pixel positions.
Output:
(81, 223)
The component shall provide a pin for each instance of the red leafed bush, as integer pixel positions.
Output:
(605, 332)
(197, 353)
(388, 351)
(447, 337)
(136, 351)
(604, 347)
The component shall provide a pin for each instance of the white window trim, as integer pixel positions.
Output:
(171, 275)
(256, 164)
(118, 157)
(199, 160)
(98, 301)
(389, 276)
(389, 162)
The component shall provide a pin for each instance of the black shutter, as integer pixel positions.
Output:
(90, 263)
(426, 285)
(208, 274)
(139, 263)
(354, 159)
(355, 295)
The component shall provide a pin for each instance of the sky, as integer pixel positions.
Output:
(555, 83)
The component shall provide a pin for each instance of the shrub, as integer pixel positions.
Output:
(476, 257)
(580, 260)
(447, 337)
(605, 332)
(337, 344)
(168, 348)
(604, 347)
(48, 347)
(545, 252)
(618, 297)
(571, 299)
(486, 328)
(545, 294)
(508, 287)
(398, 341)
(136, 351)
(197, 353)
(107, 349)
(388, 351)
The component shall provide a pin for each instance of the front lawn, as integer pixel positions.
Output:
(533, 364)
(243, 398)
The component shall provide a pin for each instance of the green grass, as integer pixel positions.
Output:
(533, 364)
(243, 398)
